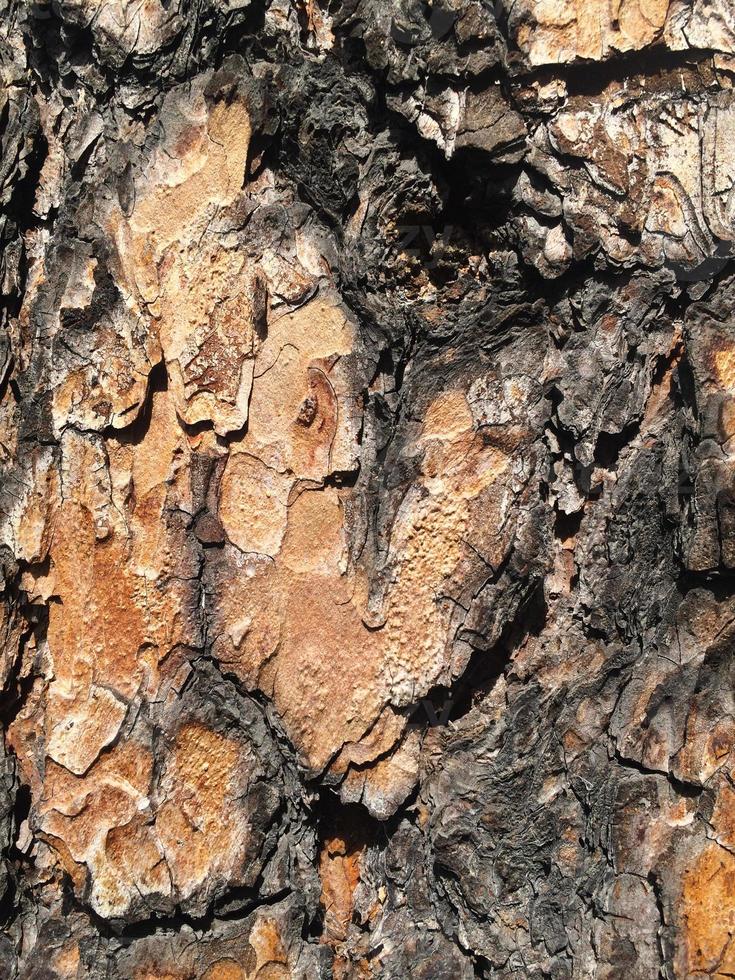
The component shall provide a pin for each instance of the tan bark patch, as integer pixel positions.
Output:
(708, 913)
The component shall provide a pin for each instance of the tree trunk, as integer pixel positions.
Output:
(367, 511)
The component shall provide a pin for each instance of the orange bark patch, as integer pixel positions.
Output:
(314, 541)
(80, 817)
(98, 628)
(724, 366)
(339, 868)
(708, 913)
(226, 969)
(253, 504)
(196, 293)
(295, 423)
(201, 829)
(294, 624)
(270, 955)
(559, 32)
(340, 862)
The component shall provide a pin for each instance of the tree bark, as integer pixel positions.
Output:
(367, 518)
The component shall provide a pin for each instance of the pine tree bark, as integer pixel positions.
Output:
(367, 518)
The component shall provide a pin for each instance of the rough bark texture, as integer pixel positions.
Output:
(367, 508)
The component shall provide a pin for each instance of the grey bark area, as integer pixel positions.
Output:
(367, 495)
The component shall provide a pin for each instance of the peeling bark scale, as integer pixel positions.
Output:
(367, 489)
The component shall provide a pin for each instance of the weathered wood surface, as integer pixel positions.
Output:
(367, 518)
